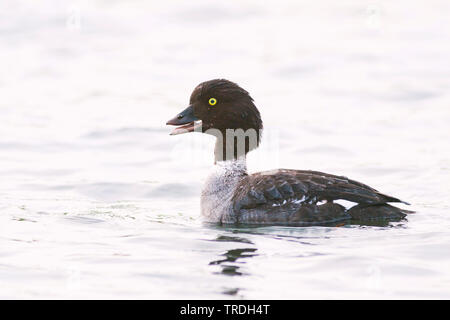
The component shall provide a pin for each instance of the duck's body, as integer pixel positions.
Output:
(289, 197)
(283, 196)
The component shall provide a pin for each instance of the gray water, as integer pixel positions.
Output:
(98, 201)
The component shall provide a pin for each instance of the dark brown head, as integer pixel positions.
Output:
(220, 107)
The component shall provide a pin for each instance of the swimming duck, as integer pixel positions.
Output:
(279, 197)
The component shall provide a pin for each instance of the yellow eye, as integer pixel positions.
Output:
(212, 101)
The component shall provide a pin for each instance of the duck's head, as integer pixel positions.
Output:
(221, 108)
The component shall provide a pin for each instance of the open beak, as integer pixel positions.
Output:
(186, 122)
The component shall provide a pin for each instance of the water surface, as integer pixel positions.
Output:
(98, 201)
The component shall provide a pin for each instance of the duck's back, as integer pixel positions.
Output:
(299, 197)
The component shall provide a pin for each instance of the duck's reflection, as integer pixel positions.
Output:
(230, 263)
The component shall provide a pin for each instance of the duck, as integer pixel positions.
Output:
(232, 196)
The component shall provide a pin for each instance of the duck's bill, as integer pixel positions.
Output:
(190, 127)
(186, 122)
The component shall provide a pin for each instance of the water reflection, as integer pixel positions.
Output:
(262, 229)
(232, 256)
(223, 238)
(231, 292)
(390, 223)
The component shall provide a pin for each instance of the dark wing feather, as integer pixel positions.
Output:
(269, 187)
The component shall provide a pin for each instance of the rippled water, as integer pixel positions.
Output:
(98, 201)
